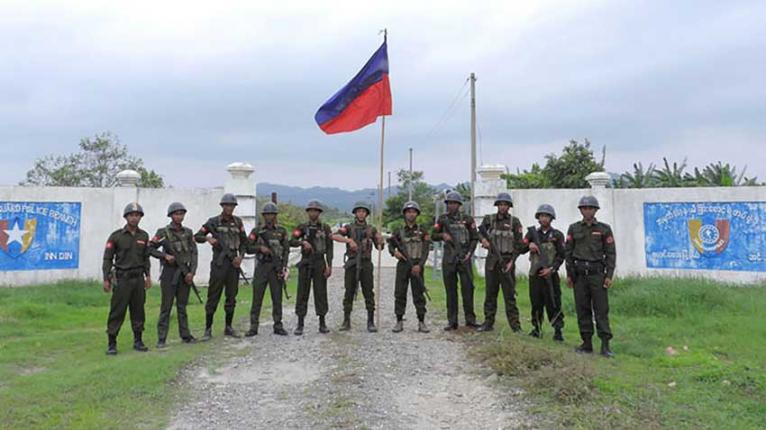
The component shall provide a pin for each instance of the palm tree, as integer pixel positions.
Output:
(640, 178)
(673, 176)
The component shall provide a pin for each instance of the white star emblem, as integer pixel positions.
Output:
(16, 235)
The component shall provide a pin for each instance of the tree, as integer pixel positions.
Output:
(534, 178)
(722, 175)
(96, 165)
(565, 171)
(673, 176)
(639, 178)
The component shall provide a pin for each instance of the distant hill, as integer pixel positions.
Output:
(330, 196)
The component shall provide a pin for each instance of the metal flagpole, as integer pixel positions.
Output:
(380, 218)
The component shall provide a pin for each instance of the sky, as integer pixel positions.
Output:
(193, 86)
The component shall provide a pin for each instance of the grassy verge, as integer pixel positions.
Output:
(690, 354)
(53, 371)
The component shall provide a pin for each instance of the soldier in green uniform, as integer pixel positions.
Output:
(127, 253)
(501, 233)
(359, 238)
(410, 245)
(269, 243)
(458, 231)
(315, 239)
(178, 259)
(226, 234)
(590, 263)
(544, 282)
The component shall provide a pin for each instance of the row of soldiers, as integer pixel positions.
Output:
(588, 251)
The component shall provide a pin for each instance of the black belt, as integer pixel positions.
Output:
(587, 267)
(130, 273)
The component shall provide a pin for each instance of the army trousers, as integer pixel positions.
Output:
(127, 293)
(174, 288)
(450, 274)
(545, 297)
(351, 283)
(265, 276)
(591, 299)
(311, 272)
(404, 277)
(496, 281)
(224, 280)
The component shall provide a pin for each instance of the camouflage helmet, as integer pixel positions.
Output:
(269, 208)
(547, 209)
(314, 204)
(411, 205)
(504, 198)
(362, 205)
(131, 208)
(453, 196)
(175, 207)
(228, 199)
(588, 201)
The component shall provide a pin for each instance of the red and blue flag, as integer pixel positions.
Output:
(366, 97)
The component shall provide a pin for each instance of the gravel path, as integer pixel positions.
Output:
(347, 379)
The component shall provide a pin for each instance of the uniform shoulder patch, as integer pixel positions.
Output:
(610, 239)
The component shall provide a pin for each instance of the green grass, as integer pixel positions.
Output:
(715, 379)
(54, 373)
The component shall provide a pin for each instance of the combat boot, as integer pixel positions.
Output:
(229, 331)
(253, 330)
(535, 332)
(161, 343)
(346, 326)
(586, 346)
(487, 326)
(189, 339)
(450, 327)
(299, 329)
(138, 344)
(111, 348)
(422, 327)
(557, 335)
(322, 326)
(208, 334)
(279, 330)
(371, 322)
(399, 326)
(605, 351)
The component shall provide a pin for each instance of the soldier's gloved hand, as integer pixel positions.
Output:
(352, 245)
(485, 243)
(264, 250)
(327, 272)
(545, 272)
(467, 258)
(416, 270)
(446, 237)
(189, 278)
(147, 283)
(237, 261)
(533, 248)
(107, 286)
(399, 255)
(307, 246)
(570, 282)
(607, 283)
(169, 258)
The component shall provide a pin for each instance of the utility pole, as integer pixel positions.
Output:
(410, 191)
(388, 191)
(473, 142)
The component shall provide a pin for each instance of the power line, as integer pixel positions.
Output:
(461, 94)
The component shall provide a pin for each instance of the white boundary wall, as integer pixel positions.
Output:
(620, 208)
